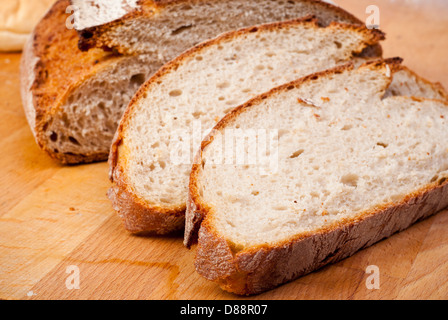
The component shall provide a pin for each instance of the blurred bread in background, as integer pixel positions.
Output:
(17, 20)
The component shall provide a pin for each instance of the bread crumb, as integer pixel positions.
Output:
(72, 209)
(387, 71)
(325, 99)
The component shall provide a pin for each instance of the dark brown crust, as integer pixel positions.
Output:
(92, 37)
(117, 171)
(260, 268)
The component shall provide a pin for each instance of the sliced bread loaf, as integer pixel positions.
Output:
(349, 166)
(74, 100)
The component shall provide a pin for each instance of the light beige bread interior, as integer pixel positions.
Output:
(354, 164)
(74, 99)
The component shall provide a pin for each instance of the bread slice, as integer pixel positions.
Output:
(349, 166)
(74, 99)
(141, 26)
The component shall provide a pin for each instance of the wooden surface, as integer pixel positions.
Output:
(53, 217)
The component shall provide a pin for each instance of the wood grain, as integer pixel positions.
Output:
(53, 217)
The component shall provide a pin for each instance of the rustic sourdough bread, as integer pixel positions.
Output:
(165, 122)
(74, 99)
(354, 165)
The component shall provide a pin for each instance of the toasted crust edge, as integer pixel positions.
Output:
(264, 267)
(116, 173)
(32, 73)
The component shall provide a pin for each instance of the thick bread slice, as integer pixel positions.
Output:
(74, 99)
(165, 122)
(140, 26)
(352, 167)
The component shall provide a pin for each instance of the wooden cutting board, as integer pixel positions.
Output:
(54, 217)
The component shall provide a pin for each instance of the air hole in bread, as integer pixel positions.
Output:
(381, 144)
(347, 127)
(197, 114)
(175, 93)
(223, 85)
(181, 29)
(54, 136)
(74, 141)
(338, 44)
(296, 154)
(137, 80)
(101, 106)
(350, 180)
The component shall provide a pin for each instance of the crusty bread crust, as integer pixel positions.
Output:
(137, 216)
(130, 207)
(260, 268)
(94, 36)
